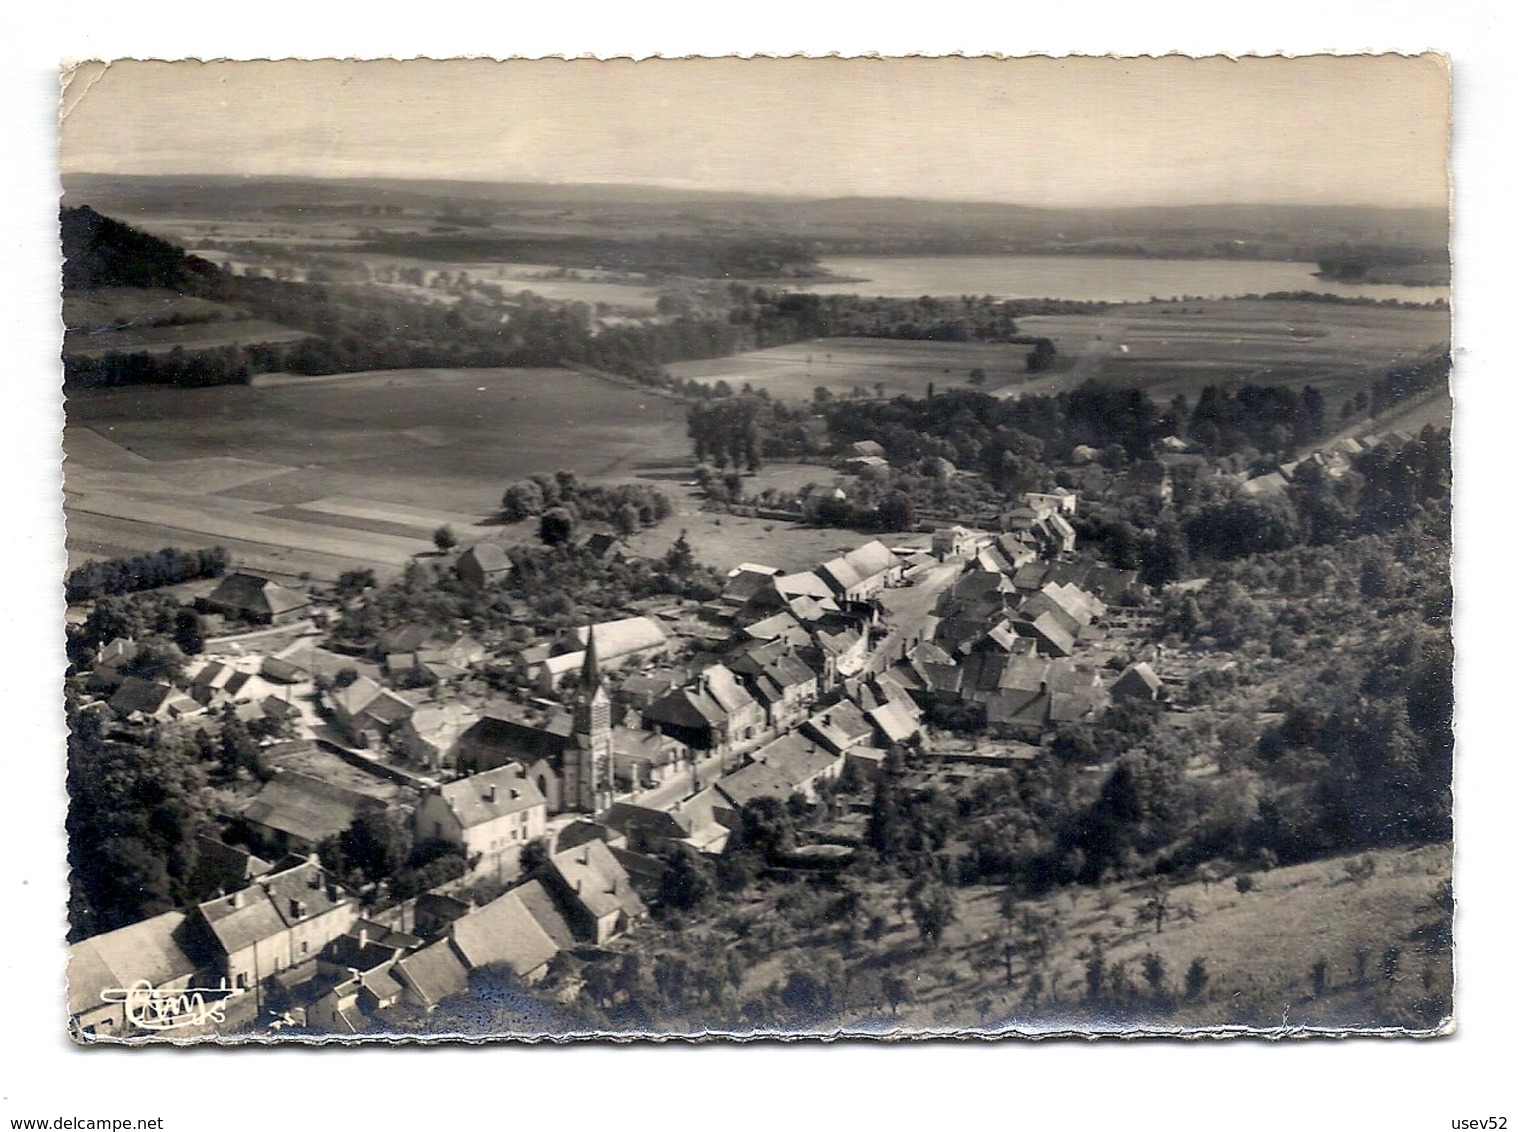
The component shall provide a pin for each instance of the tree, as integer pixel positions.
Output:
(767, 827)
(135, 811)
(1196, 979)
(534, 856)
(378, 843)
(189, 632)
(933, 910)
(522, 501)
(687, 884)
(351, 583)
(1319, 978)
(157, 660)
(557, 526)
(239, 750)
(444, 539)
(680, 558)
(1154, 974)
(1157, 907)
(627, 520)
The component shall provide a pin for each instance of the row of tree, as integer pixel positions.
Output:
(111, 577)
(628, 506)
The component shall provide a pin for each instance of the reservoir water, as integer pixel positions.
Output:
(1114, 279)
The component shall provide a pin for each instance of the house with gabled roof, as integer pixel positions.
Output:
(1051, 637)
(545, 910)
(1137, 682)
(483, 564)
(504, 933)
(644, 759)
(1015, 551)
(430, 735)
(876, 565)
(603, 546)
(782, 626)
(241, 596)
(156, 951)
(839, 727)
(715, 713)
(496, 739)
(294, 813)
(1018, 713)
(807, 583)
(625, 639)
(895, 724)
(792, 764)
(955, 542)
(283, 918)
(216, 683)
(688, 821)
(220, 867)
(148, 699)
(492, 815)
(779, 680)
(1076, 707)
(595, 891)
(844, 581)
(431, 975)
(844, 653)
(1030, 576)
(1042, 604)
(366, 711)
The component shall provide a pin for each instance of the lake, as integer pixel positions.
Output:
(1113, 279)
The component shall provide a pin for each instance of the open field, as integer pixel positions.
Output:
(1171, 348)
(726, 540)
(1258, 949)
(1163, 348)
(164, 339)
(325, 476)
(791, 373)
(112, 308)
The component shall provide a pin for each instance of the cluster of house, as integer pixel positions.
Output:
(254, 692)
(1331, 461)
(289, 939)
(1019, 639)
(798, 677)
(206, 687)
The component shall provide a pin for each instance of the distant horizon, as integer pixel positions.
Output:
(1366, 131)
(346, 178)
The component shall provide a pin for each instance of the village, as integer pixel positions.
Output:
(644, 736)
(562, 788)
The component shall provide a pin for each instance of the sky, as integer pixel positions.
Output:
(1038, 131)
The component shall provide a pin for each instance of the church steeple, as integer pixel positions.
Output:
(588, 767)
(590, 671)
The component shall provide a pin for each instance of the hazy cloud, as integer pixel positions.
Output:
(1082, 131)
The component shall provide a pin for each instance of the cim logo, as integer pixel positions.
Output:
(148, 1008)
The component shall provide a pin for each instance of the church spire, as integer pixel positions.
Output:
(590, 671)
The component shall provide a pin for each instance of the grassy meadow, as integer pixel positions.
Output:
(323, 474)
(1171, 348)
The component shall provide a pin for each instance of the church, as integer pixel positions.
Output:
(569, 757)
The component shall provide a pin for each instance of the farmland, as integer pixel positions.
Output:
(1171, 348)
(793, 372)
(1162, 348)
(331, 473)
(155, 321)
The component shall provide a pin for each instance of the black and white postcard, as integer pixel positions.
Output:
(728, 548)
